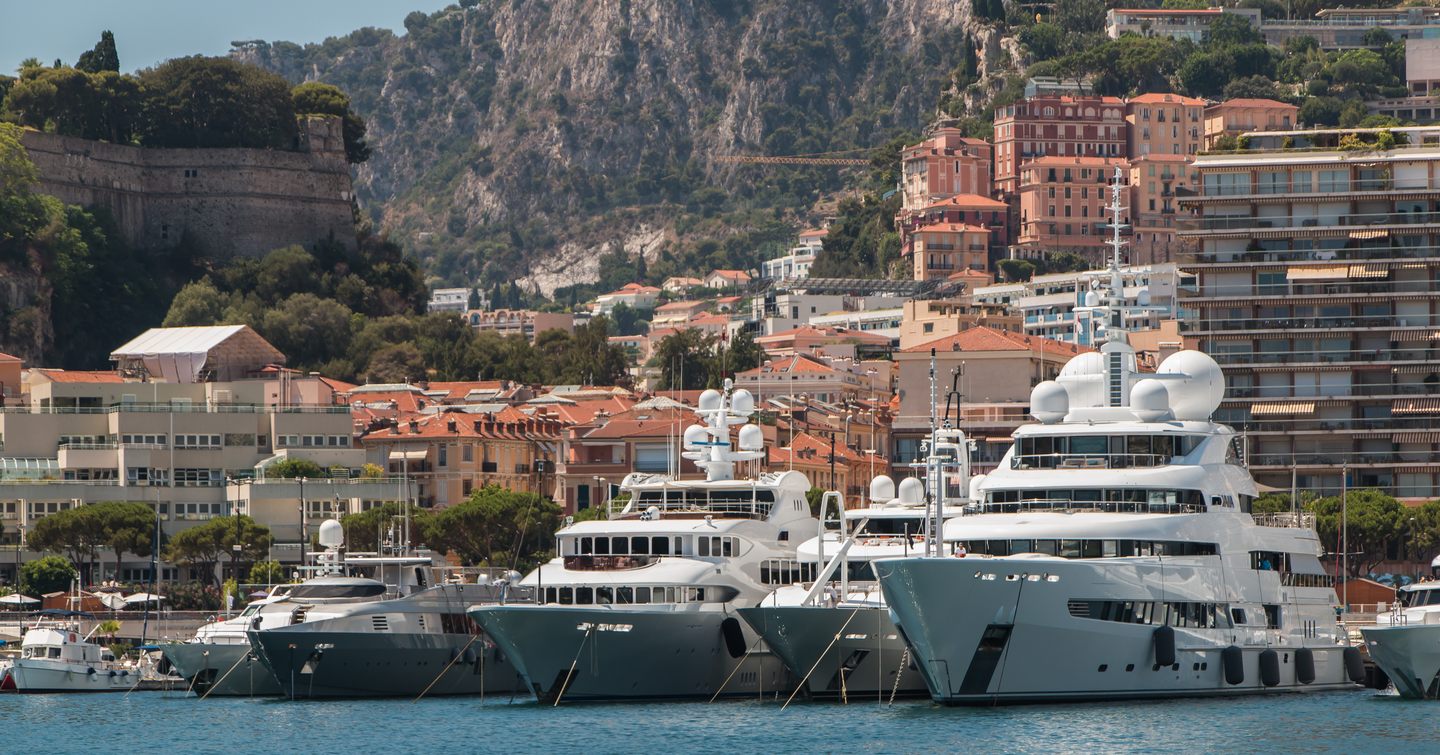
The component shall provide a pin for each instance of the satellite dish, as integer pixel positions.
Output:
(882, 489)
(695, 435)
(710, 400)
(741, 402)
(752, 438)
(332, 535)
(912, 491)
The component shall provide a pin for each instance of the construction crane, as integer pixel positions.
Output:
(818, 159)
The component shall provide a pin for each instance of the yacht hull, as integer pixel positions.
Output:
(308, 663)
(1008, 638)
(35, 676)
(226, 670)
(1410, 656)
(840, 653)
(598, 654)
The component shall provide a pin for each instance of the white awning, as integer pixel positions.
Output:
(408, 455)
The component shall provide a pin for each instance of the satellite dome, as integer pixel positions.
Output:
(1201, 390)
(695, 435)
(912, 491)
(751, 438)
(1150, 400)
(1089, 363)
(882, 489)
(741, 402)
(1092, 298)
(710, 400)
(332, 535)
(1144, 297)
(1049, 402)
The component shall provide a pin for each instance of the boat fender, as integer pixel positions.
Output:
(1269, 668)
(1354, 665)
(1233, 659)
(1165, 645)
(112, 673)
(90, 671)
(469, 655)
(734, 638)
(454, 653)
(1304, 665)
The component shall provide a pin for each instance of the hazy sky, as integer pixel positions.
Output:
(149, 31)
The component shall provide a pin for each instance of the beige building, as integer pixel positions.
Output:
(1235, 117)
(929, 319)
(520, 322)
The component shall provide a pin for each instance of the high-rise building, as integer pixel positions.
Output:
(1318, 285)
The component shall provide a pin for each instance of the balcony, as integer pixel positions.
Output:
(1294, 223)
(1295, 323)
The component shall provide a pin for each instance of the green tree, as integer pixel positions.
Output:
(267, 573)
(293, 468)
(103, 57)
(21, 211)
(313, 97)
(215, 102)
(1373, 518)
(735, 356)
(369, 528)
(46, 575)
(308, 329)
(1321, 111)
(684, 359)
(77, 532)
(1251, 87)
(496, 527)
(1016, 270)
(126, 527)
(198, 303)
(591, 358)
(396, 363)
(203, 547)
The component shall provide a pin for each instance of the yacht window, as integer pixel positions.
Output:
(640, 546)
(620, 546)
(624, 595)
(1272, 616)
(585, 546)
(603, 596)
(1238, 616)
(549, 595)
(1046, 547)
(642, 595)
(1022, 546)
(702, 546)
(584, 596)
(660, 546)
(727, 546)
(567, 596)
(1070, 548)
(361, 590)
(1090, 549)
(602, 546)
(53, 652)
(1108, 549)
(1086, 445)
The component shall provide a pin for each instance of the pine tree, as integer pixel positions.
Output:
(103, 57)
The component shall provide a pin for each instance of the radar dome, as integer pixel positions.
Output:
(1199, 393)
(710, 400)
(695, 435)
(741, 402)
(1144, 297)
(751, 438)
(1089, 363)
(1049, 401)
(332, 535)
(882, 489)
(1150, 400)
(1092, 298)
(912, 491)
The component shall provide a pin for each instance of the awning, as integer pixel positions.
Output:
(1276, 408)
(1340, 272)
(1369, 271)
(1410, 406)
(1414, 369)
(1378, 233)
(408, 455)
(1418, 437)
(1415, 335)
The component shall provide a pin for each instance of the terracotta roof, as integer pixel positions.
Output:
(701, 320)
(461, 389)
(584, 412)
(79, 376)
(727, 300)
(1165, 97)
(507, 424)
(339, 386)
(8, 358)
(968, 201)
(810, 449)
(678, 305)
(730, 274)
(643, 423)
(840, 335)
(798, 363)
(1252, 102)
(983, 338)
(814, 233)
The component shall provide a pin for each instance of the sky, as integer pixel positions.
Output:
(149, 31)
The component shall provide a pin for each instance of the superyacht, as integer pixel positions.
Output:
(219, 660)
(1405, 642)
(643, 606)
(1114, 554)
(834, 632)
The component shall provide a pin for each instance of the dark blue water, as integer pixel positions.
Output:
(1345, 722)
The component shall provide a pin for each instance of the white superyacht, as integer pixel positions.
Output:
(1115, 555)
(643, 606)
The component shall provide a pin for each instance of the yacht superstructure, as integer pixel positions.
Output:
(1114, 554)
(643, 606)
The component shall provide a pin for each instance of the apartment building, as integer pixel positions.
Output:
(632, 295)
(995, 369)
(599, 454)
(1242, 115)
(1345, 28)
(1062, 204)
(940, 250)
(449, 300)
(1046, 303)
(1164, 124)
(1156, 181)
(1317, 292)
(830, 342)
(1191, 24)
(946, 164)
(1055, 126)
(1422, 79)
(520, 322)
(188, 410)
(926, 320)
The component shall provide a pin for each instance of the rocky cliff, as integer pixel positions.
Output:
(523, 138)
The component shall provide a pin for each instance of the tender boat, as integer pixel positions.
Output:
(644, 606)
(1405, 643)
(58, 658)
(1114, 553)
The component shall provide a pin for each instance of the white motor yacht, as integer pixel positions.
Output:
(643, 606)
(1114, 553)
(56, 657)
(1405, 642)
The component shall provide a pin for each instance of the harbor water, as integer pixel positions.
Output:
(158, 721)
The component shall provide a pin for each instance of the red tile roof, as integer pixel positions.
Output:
(507, 424)
(839, 335)
(1252, 102)
(814, 233)
(678, 305)
(455, 391)
(8, 358)
(798, 363)
(983, 338)
(951, 228)
(808, 448)
(643, 423)
(730, 274)
(79, 376)
(1165, 97)
(968, 202)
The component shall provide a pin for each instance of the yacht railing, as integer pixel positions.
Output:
(1299, 519)
(1087, 461)
(1101, 507)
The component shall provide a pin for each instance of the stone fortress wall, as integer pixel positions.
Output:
(230, 202)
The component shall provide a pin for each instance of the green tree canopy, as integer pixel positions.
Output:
(267, 573)
(203, 546)
(496, 527)
(216, 102)
(77, 532)
(1373, 520)
(46, 575)
(126, 527)
(103, 57)
(313, 97)
(294, 468)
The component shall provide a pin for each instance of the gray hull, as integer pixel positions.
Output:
(594, 654)
(1410, 656)
(224, 670)
(869, 658)
(317, 664)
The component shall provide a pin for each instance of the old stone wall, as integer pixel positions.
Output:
(229, 202)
